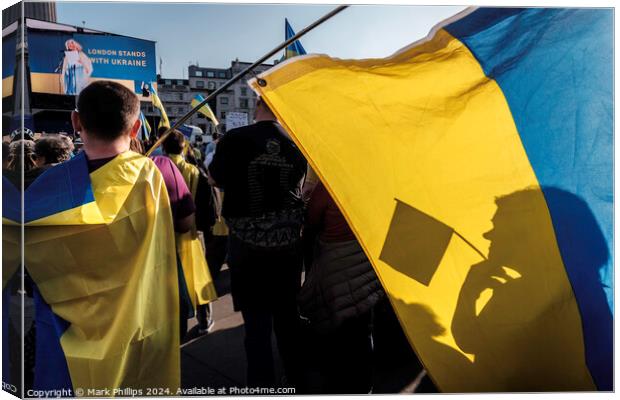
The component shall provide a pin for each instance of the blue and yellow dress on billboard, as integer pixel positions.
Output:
(100, 250)
(475, 168)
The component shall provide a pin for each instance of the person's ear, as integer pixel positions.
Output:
(75, 121)
(135, 128)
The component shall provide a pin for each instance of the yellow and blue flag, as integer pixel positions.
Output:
(100, 250)
(146, 127)
(475, 168)
(294, 49)
(204, 110)
(162, 110)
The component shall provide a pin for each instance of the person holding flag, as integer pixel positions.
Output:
(99, 246)
(201, 289)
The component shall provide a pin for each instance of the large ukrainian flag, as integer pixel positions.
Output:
(475, 168)
(100, 249)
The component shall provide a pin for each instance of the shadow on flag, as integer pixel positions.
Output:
(415, 243)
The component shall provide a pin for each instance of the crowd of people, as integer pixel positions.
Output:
(247, 200)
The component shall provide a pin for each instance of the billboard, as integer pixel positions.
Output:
(9, 43)
(66, 62)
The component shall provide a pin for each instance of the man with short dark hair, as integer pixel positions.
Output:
(174, 143)
(107, 118)
(260, 169)
(104, 261)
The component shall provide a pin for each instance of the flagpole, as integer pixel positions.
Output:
(243, 73)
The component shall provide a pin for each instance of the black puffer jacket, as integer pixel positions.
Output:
(341, 284)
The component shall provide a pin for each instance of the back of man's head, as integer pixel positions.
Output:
(107, 110)
(174, 143)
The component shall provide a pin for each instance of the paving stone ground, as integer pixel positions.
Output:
(217, 360)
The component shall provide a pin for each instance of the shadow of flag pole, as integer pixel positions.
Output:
(241, 74)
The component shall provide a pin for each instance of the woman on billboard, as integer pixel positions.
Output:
(76, 68)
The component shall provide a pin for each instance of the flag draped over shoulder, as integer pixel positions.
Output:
(295, 48)
(475, 168)
(162, 110)
(204, 110)
(191, 253)
(100, 250)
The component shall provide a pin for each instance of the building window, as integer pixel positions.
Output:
(181, 110)
(211, 85)
(223, 115)
(168, 82)
(221, 74)
(180, 96)
(200, 84)
(243, 103)
(210, 74)
(244, 91)
(169, 110)
(223, 100)
(198, 73)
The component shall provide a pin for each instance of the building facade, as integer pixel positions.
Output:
(177, 94)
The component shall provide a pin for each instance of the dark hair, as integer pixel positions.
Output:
(55, 149)
(174, 143)
(107, 109)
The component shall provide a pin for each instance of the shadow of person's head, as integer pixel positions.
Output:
(523, 230)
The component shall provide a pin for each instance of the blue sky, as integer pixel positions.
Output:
(215, 34)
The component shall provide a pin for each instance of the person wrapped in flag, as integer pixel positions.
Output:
(99, 245)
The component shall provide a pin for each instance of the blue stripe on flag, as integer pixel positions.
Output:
(60, 188)
(555, 69)
(51, 370)
(11, 201)
(296, 46)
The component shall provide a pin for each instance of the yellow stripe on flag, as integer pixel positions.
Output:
(158, 104)
(206, 111)
(415, 149)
